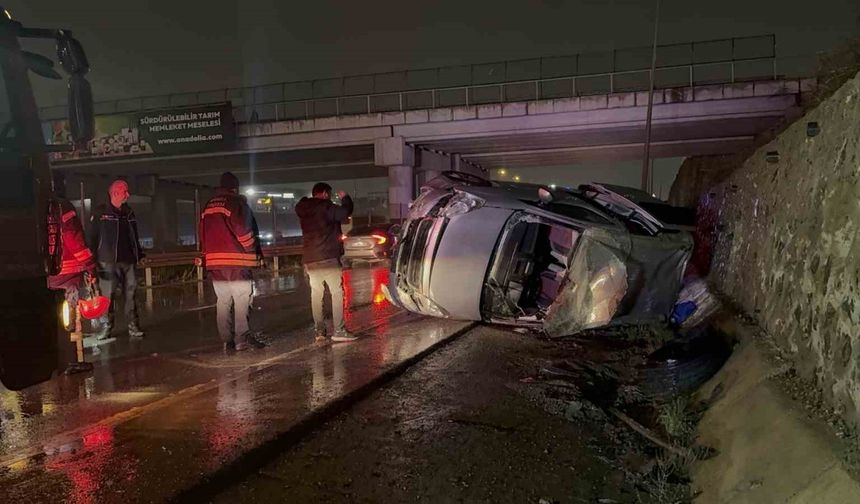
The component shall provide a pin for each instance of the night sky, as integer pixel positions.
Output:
(162, 46)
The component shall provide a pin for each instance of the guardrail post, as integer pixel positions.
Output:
(199, 273)
(275, 266)
(150, 299)
(148, 275)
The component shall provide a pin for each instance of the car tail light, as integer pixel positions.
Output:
(379, 239)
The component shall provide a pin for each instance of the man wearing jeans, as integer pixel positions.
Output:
(116, 243)
(230, 251)
(321, 252)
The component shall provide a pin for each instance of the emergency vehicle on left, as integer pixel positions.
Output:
(38, 325)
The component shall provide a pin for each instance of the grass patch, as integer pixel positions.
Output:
(677, 420)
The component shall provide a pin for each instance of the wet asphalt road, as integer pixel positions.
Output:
(163, 416)
(453, 428)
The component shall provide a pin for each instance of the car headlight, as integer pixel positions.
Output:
(66, 315)
(462, 203)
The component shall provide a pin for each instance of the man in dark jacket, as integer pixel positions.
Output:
(117, 245)
(230, 250)
(321, 252)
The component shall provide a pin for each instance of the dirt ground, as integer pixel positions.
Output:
(496, 416)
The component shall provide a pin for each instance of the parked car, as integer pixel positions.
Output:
(561, 260)
(369, 243)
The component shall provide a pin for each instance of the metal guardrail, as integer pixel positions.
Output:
(719, 61)
(188, 258)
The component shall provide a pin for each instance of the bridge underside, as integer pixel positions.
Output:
(610, 143)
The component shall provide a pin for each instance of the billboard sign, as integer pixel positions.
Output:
(188, 130)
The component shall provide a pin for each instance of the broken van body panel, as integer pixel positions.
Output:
(594, 287)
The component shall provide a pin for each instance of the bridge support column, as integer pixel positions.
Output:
(399, 158)
(457, 164)
(429, 165)
(400, 191)
(164, 215)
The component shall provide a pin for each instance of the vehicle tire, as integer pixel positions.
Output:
(683, 365)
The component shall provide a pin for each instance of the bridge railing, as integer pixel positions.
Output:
(678, 65)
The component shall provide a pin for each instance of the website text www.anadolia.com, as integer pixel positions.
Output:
(192, 138)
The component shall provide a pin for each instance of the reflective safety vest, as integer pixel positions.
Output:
(227, 233)
(76, 256)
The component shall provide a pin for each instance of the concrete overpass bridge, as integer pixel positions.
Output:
(562, 115)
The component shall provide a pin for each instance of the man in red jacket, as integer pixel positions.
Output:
(75, 260)
(76, 256)
(230, 250)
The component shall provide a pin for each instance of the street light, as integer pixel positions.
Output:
(646, 157)
(503, 172)
(516, 178)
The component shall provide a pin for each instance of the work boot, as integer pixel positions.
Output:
(320, 336)
(134, 331)
(241, 347)
(343, 336)
(254, 342)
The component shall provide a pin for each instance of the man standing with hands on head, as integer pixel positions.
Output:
(321, 252)
(116, 243)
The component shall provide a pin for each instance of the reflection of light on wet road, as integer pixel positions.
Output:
(364, 287)
(327, 376)
(86, 472)
(235, 417)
